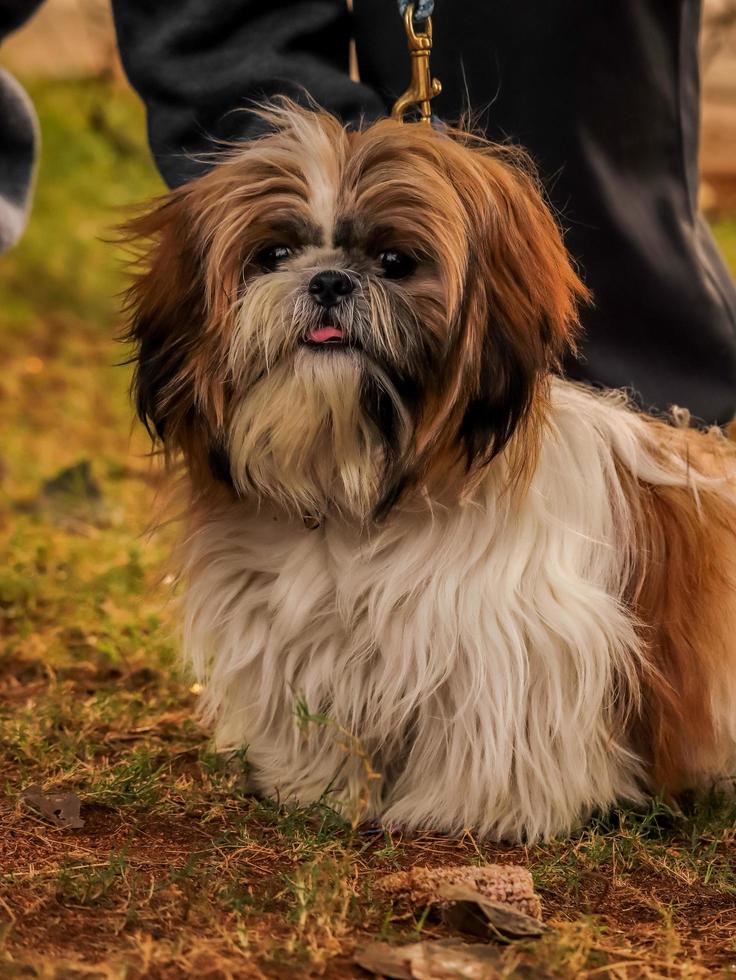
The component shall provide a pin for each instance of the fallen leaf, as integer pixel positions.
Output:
(74, 481)
(469, 911)
(62, 809)
(430, 961)
(72, 499)
(443, 961)
(385, 961)
(511, 884)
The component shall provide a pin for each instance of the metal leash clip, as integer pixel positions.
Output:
(423, 87)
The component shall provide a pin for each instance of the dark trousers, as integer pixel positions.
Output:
(604, 95)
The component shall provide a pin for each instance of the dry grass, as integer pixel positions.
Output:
(177, 872)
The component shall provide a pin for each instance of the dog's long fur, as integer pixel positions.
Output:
(521, 596)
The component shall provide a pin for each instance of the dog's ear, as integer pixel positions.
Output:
(520, 309)
(178, 374)
(513, 314)
(165, 304)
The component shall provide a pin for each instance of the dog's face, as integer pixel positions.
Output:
(330, 318)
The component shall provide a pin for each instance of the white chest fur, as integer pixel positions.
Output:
(478, 654)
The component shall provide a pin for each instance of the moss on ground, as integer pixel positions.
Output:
(177, 872)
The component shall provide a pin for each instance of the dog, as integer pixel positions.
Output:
(515, 594)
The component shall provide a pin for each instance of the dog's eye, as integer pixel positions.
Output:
(396, 264)
(273, 255)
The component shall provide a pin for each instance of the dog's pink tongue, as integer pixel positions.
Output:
(323, 335)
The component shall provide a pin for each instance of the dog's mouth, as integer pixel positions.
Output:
(328, 336)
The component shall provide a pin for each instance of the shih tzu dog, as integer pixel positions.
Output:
(517, 595)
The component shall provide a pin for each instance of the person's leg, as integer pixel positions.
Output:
(606, 99)
(18, 136)
(17, 159)
(197, 63)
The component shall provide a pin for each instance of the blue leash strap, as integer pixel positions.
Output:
(422, 9)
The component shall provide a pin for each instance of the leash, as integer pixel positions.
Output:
(422, 87)
(422, 10)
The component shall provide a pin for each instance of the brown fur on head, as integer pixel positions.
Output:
(459, 299)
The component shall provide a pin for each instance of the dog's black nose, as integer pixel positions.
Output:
(329, 287)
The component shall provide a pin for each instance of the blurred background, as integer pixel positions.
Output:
(82, 602)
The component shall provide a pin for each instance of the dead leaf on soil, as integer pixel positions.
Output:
(430, 961)
(72, 499)
(62, 809)
(510, 884)
(74, 482)
(467, 910)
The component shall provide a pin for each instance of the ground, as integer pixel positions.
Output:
(177, 872)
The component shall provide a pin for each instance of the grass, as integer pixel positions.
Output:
(177, 871)
(725, 230)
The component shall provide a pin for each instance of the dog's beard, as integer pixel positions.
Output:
(321, 429)
(300, 436)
